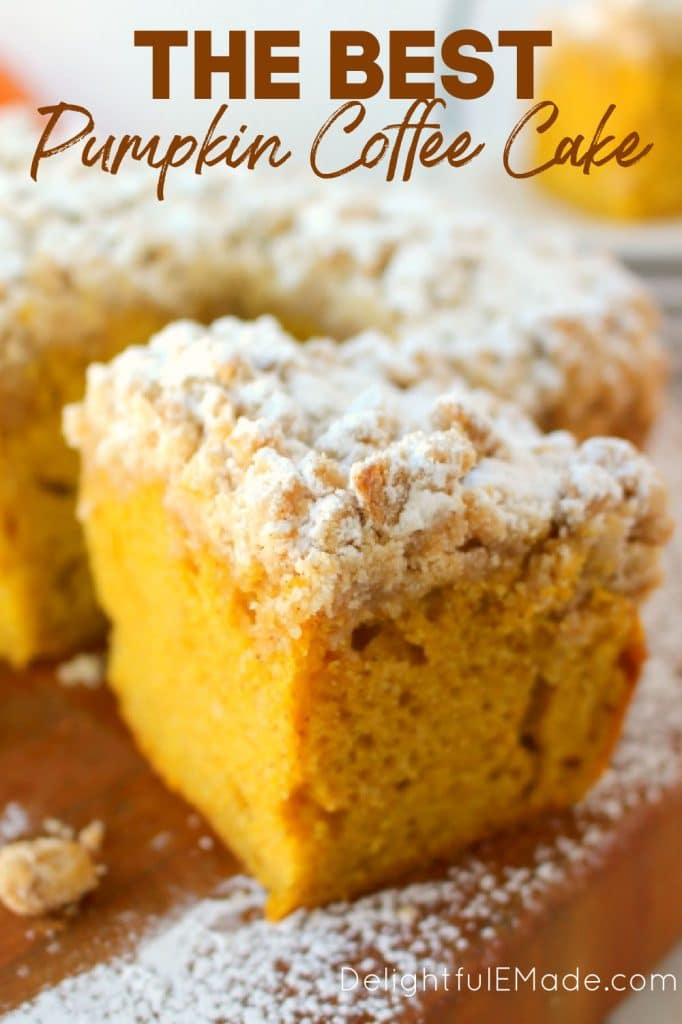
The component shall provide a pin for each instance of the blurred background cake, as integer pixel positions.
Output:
(627, 53)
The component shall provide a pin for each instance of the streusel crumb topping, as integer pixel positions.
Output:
(525, 315)
(365, 486)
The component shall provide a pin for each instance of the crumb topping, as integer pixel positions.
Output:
(321, 466)
(529, 317)
(38, 876)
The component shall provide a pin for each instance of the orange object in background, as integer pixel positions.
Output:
(11, 91)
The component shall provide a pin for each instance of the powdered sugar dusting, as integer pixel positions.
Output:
(314, 464)
(221, 961)
(14, 822)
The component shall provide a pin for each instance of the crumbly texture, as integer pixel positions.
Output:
(39, 876)
(91, 263)
(92, 836)
(626, 52)
(387, 621)
(334, 482)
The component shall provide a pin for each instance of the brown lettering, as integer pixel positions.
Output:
(453, 59)
(161, 43)
(525, 42)
(341, 62)
(575, 150)
(206, 64)
(268, 64)
(55, 112)
(402, 64)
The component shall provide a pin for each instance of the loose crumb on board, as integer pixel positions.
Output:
(92, 836)
(41, 875)
(58, 829)
(87, 670)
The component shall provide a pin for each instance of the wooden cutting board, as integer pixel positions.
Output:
(64, 753)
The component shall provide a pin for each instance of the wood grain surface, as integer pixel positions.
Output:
(64, 753)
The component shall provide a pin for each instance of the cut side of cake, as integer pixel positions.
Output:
(357, 621)
(93, 263)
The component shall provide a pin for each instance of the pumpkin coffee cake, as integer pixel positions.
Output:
(357, 621)
(92, 263)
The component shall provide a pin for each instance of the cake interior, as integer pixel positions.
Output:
(47, 601)
(506, 695)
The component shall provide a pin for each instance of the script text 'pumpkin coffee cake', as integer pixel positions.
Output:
(358, 622)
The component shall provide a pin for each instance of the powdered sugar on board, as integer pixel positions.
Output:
(14, 822)
(220, 961)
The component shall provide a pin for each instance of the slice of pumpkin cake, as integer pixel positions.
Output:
(357, 622)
